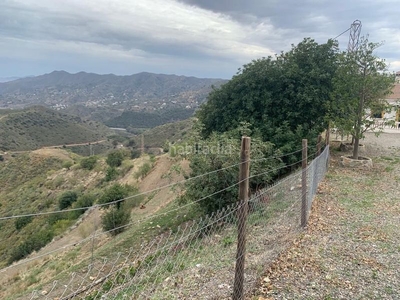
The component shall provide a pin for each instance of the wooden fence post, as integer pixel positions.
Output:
(304, 184)
(327, 134)
(244, 172)
(319, 140)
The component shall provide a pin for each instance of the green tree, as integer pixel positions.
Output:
(115, 158)
(66, 199)
(111, 174)
(284, 99)
(22, 222)
(114, 193)
(88, 163)
(361, 84)
(115, 219)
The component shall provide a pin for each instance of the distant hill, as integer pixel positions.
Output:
(133, 119)
(38, 126)
(143, 91)
(6, 79)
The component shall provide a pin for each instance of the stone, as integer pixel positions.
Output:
(361, 163)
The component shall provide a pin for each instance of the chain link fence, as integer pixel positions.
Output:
(197, 260)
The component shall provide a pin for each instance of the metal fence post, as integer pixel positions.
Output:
(244, 172)
(304, 184)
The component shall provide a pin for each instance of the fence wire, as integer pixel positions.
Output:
(197, 260)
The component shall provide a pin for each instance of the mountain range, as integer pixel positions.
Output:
(140, 92)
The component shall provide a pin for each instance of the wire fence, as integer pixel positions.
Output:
(197, 259)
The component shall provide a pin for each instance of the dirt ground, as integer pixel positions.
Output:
(350, 248)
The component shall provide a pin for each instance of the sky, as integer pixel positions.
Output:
(202, 38)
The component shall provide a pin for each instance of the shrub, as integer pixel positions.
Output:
(114, 219)
(88, 163)
(22, 222)
(82, 202)
(143, 171)
(111, 174)
(67, 164)
(34, 243)
(114, 193)
(135, 153)
(66, 199)
(115, 158)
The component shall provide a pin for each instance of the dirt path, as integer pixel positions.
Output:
(350, 249)
(161, 175)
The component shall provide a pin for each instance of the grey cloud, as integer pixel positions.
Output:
(240, 31)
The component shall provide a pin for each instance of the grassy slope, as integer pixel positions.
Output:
(172, 132)
(36, 127)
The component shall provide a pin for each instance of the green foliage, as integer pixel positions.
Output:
(83, 201)
(67, 164)
(143, 171)
(115, 158)
(111, 174)
(55, 217)
(34, 243)
(135, 153)
(114, 219)
(66, 199)
(114, 193)
(284, 99)
(219, 189)
(361, 85)
(22, 222)
(88, 163)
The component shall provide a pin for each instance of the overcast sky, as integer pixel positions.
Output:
(203, 38)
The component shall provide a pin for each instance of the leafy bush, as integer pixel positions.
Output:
(111, 174)
(115, 158)
(54, 218)
(88, 163)
(66, 199)
(22, 222)
(114, 193)
(219, 151)
(135, 153)
(34, 243)
(67, 164)
(143, 171)
(114, 219)
(83, 201)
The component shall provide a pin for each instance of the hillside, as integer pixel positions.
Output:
(149, 120)
(143, 91)
(37, 127)
(33, 182)
(172, 132)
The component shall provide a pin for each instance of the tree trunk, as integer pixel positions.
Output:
(356, 146)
